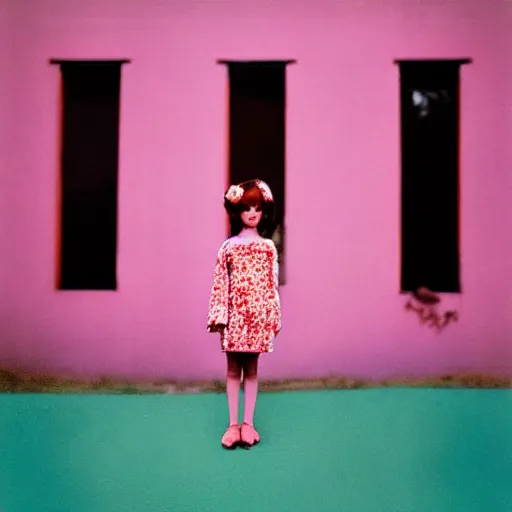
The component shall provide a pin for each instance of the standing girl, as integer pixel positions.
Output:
(244, 303)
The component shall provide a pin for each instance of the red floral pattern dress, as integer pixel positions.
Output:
(244, 296)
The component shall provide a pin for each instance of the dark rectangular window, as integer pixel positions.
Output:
(89, 174)
(257, 99)
(429, 100)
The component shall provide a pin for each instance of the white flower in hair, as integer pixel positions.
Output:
(234, 193)
(265, 191)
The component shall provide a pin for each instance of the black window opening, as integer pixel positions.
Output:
(257, 133)
(89, 174)
(429, 101)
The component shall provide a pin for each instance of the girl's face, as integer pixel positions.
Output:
(251, 216)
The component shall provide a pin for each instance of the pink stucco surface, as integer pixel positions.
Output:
(342, 311)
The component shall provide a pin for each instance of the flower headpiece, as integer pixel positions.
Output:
(265, 190)
(236, 192)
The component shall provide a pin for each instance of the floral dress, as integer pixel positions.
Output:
(244, 296)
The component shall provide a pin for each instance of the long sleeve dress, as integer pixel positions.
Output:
(245, 297)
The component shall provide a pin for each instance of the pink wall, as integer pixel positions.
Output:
(6, 84)
(342, 311)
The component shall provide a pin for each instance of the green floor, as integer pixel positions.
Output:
(375, 450)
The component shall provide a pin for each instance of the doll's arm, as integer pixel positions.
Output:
(218, 307)
(275, 284)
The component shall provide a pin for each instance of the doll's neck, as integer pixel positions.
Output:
(249, 233)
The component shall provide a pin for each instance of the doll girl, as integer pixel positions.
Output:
(244, 302)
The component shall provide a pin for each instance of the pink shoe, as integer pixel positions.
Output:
(248, 436)
(231, 438)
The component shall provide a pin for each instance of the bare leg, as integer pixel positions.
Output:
(234, 373)
(250, 369)
(249, 435)
(231, 437)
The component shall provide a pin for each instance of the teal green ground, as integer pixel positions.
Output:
(375, 450)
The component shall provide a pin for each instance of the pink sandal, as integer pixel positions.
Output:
(231, 438)
(248, 436)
